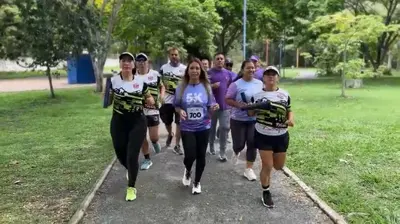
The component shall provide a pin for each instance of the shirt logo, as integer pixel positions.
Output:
(135, 85)
(194, 98)
(281, 96)
(151, 78)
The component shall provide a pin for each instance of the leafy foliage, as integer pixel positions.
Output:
(185, 24)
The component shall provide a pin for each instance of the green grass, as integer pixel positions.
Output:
(348, 149)
(36, 74)
(52, 152)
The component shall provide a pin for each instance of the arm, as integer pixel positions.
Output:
(161, 87)
(178, 103)
(290, 114)
(231, 96)
(148, 98)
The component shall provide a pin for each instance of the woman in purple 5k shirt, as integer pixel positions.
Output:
(194, 101)
(239, 94)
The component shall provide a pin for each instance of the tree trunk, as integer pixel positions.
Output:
(50, 82)
(102, 54)
(344, 74)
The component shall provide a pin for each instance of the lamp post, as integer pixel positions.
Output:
(244, 27)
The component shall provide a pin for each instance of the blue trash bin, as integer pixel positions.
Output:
(80, 70)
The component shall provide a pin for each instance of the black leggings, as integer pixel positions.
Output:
(128, 133)
(243, 134)
(195, 147)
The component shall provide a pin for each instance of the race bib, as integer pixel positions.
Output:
(195, 113)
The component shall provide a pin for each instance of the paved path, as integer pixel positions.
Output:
(17, 85)
(227, 197)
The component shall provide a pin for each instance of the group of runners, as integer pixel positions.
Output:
(197, 97)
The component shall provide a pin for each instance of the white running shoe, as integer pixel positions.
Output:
(235, 158)
(196, 189)
(250, 175)
(186, 178)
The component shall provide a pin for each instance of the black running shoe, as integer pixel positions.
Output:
(267, 199)
(169, 139)
(178, 150)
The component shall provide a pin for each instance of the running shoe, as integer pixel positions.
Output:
(235, 158)
(169, 139)
(130, 194)
(212, 150)
(196, 188)
(186, 178)
(156, 147)
(249, 174)
(222, 158)
(267, 199)
(178, 150)
(146, 164)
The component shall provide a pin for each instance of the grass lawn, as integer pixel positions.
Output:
(52, 152)
(348, 149)
(35, 74)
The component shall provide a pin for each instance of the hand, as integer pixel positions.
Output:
(215, 107)
(242, 104)
(150, 101)
(290, 123)
(215, 85)
(182, 114)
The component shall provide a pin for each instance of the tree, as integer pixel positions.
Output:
(108, 19)
(389, 13)
(51, 31)
(9, 22)
(262, 22)
(156, 25)
(344, 32)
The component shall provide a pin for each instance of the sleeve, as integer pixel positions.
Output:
(232, 91)
(233, 76)
(158, 77)
(177, 100)
(211, 98)
(289, 108)
(145, 90)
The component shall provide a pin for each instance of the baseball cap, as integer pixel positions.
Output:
(254, 58)
(141, 57)
(126, 54)
(271, 68)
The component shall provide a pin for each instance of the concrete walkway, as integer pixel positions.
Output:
(227, 197)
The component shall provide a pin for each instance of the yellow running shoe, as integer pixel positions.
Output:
(130, 194)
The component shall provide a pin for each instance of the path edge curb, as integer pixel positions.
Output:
(332, 214)
(80, 212)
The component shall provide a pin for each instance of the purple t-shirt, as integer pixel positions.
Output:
(233, 75)
(195, 101)
(224, 78)
(258, 74)
(235, 90)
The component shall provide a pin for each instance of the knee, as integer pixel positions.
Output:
(278, 166)
(267, 166)
(154, 138)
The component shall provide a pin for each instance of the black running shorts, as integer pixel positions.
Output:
(168, 113)
(276, 144)
(153, 120)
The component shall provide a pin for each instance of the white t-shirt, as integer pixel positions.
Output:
(171, 77)
(152, 79)
(128, 95)
(272, 122)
